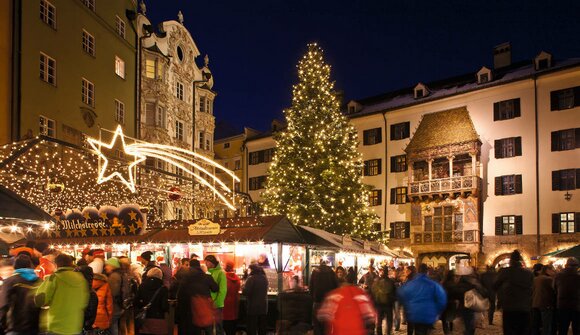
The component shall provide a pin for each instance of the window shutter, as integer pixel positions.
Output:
(577, 222)
(392, 230)
(519, 225)
(556, 223)
(380, 165)
(498, 227)
(518, 185)
(554, 100)
(407, 229)
(498, 186)
(555, 180)
(379, 135)
(407, 129)
(393, 195)
(576, 96)
(517, 112)
(577, 137)
(380, 197)
(366, 137)
(577, 178)
(555, 140)
(393, 160)
(496, 111)
(497, 148)
(392, 132)
(518, 143)
(366, 169)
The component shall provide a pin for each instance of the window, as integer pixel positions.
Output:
(208, 142)
(237, 186)
(262, 156)
(119, 112)
(419, 93)
(399, 195)
(179, 90)
(208, 108)
(202, 104)
(399, 163)
(88, 93)
(47, 126)
(226, 145)
(568, 139)
(153, 69)
(178, 213)
(227, 165)
(506, 185)
(120, 67)
(400, 131)
(257, 183)
(372, 136)
(563, 180)
(90, 4)
(88, 43)
(508, 225)
(48, 13)
(400, 230)
(47, 69)
(372, 167)
(120, 26)
(565, 223)
(507, 109)
(201, 139)
(565, 99)
(508, 147)
(179, 130)
(237, 164)
(483, 78)
(375, 198)
(160, 117)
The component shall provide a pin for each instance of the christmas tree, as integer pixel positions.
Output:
(316, 174)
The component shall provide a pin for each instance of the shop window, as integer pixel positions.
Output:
(563, 180)
(400, 230)
(508, 147)
(506, 185)
(507, 109)
(372, 136)
(399, 163)
(565, 223)
(565, 99)
(375, 198)
(400, 131)
(372, 167)
(568, 139)
(399, 195)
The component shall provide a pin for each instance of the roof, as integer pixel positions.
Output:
(14, 207)
(155, 48)
(225, 129)
(455, 85)
(451, 127)
(322, 238)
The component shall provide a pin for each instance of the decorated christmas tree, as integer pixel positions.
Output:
(316, 174)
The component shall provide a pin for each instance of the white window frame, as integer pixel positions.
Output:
(120, 67)
(88, 92)
(47, 126)
(48, 13)
(119, 112)
(202, 103)
(88, 43)
(179, 130)
(45, 67)
(160, 117)
(179, 91)
(90, 4)
(120, 26)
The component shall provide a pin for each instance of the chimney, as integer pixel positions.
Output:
(502, 55)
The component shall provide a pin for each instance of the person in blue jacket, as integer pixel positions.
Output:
(424, 300)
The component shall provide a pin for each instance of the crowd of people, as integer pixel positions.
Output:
(51, 292)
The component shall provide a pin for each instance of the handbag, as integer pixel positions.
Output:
(202, 311)
(142, 314)
(474, 301)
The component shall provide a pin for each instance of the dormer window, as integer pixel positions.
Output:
(353, 107)
(421, 91)
(543, 61)
(483, 75)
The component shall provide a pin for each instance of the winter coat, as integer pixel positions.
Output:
(423, 299)
(322, 281)
(219, 276)
(516, 285)
(466, 283)
(18, 313)
(159, 306)
(148, 267)
(193, 283)
(543, 295)
(348, 310)
(67, 295)
(115, 280)
(45, 268)
(383, 291)
(256, 292)
(167, 276)
(91, 310)
(232, 301)
(567, 287)
(105, 306)
(488, 278)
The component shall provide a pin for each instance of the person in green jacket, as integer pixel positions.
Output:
(219, 276)
(66, 295)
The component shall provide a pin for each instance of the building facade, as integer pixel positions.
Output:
(74, 68)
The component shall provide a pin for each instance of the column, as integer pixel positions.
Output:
(473, 164)
(430, 164)
(450, 158)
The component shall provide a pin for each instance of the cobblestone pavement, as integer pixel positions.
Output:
(482, 327)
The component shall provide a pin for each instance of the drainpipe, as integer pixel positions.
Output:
(386, 172)
(16, 71)
(537, 168)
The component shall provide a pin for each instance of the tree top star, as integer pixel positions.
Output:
(98, 147)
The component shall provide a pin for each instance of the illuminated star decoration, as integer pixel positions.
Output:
(97, 146)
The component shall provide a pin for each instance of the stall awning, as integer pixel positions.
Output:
(324, 239)
(570, 252)
(14, 208)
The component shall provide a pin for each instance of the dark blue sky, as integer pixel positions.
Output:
(373, 46)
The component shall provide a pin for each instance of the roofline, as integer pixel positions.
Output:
(477, 88)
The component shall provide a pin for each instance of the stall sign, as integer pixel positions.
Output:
(204, 227)
(347, 241)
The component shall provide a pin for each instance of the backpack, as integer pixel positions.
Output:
(382, 291)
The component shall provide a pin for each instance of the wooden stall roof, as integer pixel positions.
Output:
(324, 239)
(145, 237)
(14, 207)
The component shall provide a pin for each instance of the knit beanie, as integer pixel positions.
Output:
(114, 262)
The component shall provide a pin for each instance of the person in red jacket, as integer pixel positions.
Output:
(347, 310)
(232, 301)
(105, 307)
(47, 265)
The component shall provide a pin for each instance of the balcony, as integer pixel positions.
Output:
(458, 184)
(467, 236)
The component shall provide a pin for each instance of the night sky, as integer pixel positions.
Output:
(373, 46)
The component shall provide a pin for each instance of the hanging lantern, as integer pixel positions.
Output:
(55, 187)
(174, 193)
(58, 212)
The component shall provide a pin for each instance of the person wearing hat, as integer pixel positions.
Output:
(153, 291)
(148, 264)
(115, 278)
(105, 307)
(219, 297)
(567, 287)
(98, 260)
(516, 283)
